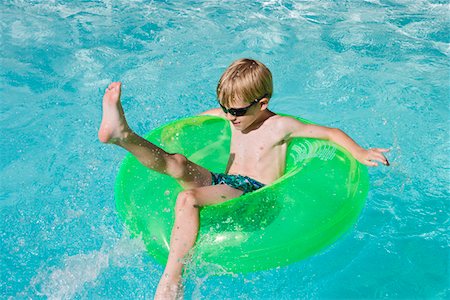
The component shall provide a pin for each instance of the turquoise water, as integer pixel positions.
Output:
(377, 69)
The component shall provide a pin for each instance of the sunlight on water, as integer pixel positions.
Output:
(377, 69)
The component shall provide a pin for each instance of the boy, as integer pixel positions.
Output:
(257, 154)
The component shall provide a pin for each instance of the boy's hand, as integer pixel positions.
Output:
(369, 157)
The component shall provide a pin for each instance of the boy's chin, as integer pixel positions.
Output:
(239, 126)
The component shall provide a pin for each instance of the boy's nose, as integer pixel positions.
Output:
(231, 117)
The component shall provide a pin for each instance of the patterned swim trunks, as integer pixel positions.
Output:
(243, 183)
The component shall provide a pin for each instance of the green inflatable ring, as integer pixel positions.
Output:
(319, 197)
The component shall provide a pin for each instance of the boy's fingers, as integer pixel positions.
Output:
(369, 162)
(374, 154)
(382, 160)
(377, 154)
(380, 157)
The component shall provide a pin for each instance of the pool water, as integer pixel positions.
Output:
(378, 69)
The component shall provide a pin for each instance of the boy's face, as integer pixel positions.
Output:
(253, 111)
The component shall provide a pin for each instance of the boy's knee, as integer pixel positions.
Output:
(176, 165)
(186, 199)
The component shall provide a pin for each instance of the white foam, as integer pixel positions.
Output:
(77, 270)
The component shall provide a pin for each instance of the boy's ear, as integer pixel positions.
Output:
(264, 103)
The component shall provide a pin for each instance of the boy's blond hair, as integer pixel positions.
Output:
(245, 80)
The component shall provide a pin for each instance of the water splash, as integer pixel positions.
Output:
(83, 269)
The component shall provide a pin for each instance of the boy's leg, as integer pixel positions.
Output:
(185, 229)
(114, 129)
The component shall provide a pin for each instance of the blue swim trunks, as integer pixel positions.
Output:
(243, 183)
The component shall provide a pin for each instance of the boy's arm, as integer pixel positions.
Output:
(368, 157)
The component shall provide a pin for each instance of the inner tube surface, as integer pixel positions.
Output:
(319, 197)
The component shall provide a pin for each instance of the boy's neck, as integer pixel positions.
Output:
(262, 117)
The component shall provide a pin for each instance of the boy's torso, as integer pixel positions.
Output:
(260, 153)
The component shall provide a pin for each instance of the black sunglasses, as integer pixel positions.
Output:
(239, 112)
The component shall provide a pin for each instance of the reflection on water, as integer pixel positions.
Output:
(377, 69)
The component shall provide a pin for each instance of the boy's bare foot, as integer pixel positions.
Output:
(114, 126)
(169, 288)
(168, 292)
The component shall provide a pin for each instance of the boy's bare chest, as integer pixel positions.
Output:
(260, 154)
(252, 146)
(261, 157)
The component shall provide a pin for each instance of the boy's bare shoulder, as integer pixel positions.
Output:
(284, 128)
(217, 112)
(285, 123)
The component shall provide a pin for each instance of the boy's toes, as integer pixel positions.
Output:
(112, 87)
(115, 85)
